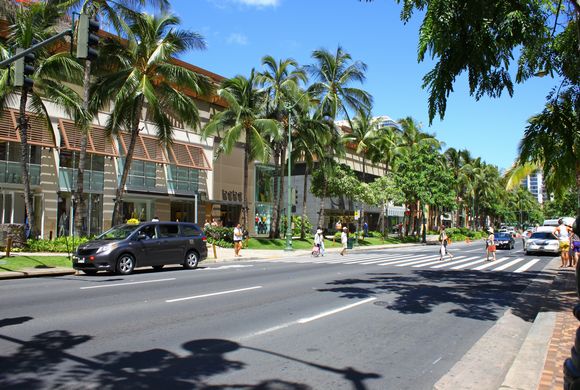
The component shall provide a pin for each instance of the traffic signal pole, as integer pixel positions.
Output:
(35, 47)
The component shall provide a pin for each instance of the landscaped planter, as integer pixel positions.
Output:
(14, 230)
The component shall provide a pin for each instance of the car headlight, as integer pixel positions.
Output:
(106, 248)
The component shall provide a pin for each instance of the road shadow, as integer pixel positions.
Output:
(477, 295)
(48, 361)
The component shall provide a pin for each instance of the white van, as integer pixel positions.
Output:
(554, 222)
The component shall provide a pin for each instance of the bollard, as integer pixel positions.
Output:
(8, 246)
(214, 251)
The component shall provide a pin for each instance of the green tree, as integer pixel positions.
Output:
(281, 81)
(113, 12)
(141, 72)
(38, 21)
(243, 119)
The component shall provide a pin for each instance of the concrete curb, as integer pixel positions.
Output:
(526, 370)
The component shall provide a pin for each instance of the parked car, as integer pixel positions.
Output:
(504, 240)
(125, 247)
(542, 241)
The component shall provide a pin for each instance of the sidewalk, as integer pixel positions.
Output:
(223, 255)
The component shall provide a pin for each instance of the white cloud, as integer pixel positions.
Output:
(237, 39)
(260, 3)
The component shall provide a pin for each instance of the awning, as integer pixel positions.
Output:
(97, 141)
(147, 148)
(38, 132)
(396, 211)
(187, 155)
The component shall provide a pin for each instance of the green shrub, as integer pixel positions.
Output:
(220, 236)
(59, 244)
(297, 222)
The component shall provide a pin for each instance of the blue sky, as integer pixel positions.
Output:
(239, 33)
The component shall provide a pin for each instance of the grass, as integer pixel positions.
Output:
(16, 263)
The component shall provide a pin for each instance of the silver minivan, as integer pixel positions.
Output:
(150, 244)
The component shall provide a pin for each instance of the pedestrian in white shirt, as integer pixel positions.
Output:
(343, 240)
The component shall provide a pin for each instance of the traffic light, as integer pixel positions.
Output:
(24, 67)
(294, 196)
(87, 38)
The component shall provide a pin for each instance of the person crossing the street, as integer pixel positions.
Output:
(444, 239)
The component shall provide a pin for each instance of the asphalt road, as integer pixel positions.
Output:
(378, 319)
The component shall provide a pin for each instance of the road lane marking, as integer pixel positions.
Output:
(406, 260)
(452, 262)
(331, 312)
(417, 261)
(490, 264)
(226, 267)
(461, 266)
(527, 266)
(212, 294)
(507, 265)
(422, 264)
(127, 284)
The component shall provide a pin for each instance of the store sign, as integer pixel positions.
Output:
(231, 196)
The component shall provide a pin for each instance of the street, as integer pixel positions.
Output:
(374, 319)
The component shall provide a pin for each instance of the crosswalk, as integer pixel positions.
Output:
(427, 260)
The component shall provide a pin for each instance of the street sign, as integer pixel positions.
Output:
(356, 215)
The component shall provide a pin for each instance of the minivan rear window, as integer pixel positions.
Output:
(190, 230)
(168, 230)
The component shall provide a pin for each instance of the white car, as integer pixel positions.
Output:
(542, 242)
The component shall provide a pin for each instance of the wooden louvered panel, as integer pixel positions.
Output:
(71, 135)
(155, 149)
(39, 132)
(139, 153)
(101, 143)
(181, 155)
(8, 130)
(199, 158)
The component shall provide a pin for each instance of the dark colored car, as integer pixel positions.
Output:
(504, 240)
(123, 248)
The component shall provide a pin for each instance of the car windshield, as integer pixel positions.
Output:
(504, 236)
(543, 235)
(118, 232)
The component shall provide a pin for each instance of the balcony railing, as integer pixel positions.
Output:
(94, 181)
(11, 172)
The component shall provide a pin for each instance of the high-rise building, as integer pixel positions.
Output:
(535, 184)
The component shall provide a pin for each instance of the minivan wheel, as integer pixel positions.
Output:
(125, 264)
(191, 260)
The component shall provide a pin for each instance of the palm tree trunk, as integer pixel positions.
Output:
(81, 209)
(275, 209)
(321, 211)
(117, 211)
(24, 158)
(245, 184)
(304, 197)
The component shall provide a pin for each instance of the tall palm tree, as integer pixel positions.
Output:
(243, 120)
(113, 12)
(312, 137)
(333, 75)
(281, 81)
(141, 71)
(38, 21)
(552, 140)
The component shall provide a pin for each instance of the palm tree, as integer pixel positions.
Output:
(141, 71)
(456, 160)
(281, 81)
(113, 12)
(312, 137)
(243, 119)
(552, 141)
(38, 21)
(334, 74)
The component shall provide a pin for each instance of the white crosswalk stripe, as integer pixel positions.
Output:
(527, 266)
(422, 259)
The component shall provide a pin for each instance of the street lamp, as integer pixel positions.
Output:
(290, 107)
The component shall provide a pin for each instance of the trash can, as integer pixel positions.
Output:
(350, 243)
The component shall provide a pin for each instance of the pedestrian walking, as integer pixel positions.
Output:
(344, 240)
(562, 233)
(444, 239)
(575, 255)
(238, 237)
(319, 241)
(490, 245)
(365, 229)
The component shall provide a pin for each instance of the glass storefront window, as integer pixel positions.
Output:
(182, 179)
(265, 183)
(263, 218)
